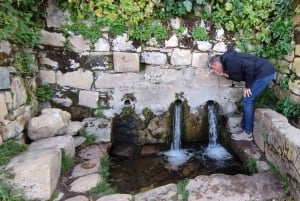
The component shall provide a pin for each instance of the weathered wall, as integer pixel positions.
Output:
(118, 74)
(280, 142)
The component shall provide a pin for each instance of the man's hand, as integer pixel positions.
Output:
(247, 92)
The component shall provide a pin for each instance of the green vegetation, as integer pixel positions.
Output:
(250, 166)
(9, 149)
(103, 188)
(45, 92)
(288, 107)
(21, 21)
(283, 180)
(9, 193)
(100, 109)
(126, 111)
(23, 62)
(148, 114)
(89, 139)
(200, 33)
(67, 162)
(181, 189)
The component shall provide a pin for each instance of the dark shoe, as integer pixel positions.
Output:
(243, 136)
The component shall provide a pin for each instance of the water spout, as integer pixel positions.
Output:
(215, 150)
(176, 145)
(177, 156)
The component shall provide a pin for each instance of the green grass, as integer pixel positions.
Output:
(89, 139)
(67, 163)
(9, 149)
(9, 193)
(104, 188)
(181, 189)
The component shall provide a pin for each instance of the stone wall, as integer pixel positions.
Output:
(280, 143)
(119, 74)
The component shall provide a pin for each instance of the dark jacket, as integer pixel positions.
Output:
(245, 67)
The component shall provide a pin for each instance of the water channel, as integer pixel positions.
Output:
(176, 162)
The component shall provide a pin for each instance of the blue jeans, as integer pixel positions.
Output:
(248, 102)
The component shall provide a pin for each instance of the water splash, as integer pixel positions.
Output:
(215, 150)
(177, 156)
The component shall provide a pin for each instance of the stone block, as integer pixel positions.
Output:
(88, 98)
(200, 60)
(101, 45)
(100, 128)
(294, 86)
(3, 107)
(297, 50)
(154, 58)
(296, 66)
(52, 39)
(126, 62)
(19, 92)
(120, 80)
(156, 75)
(205, 76)
(82, 79)
(36, 173)
(4, 78)
(47, 76)
(65, 142)
(79, 44)
(181, 57)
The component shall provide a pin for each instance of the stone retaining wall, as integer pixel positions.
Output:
(280, 142)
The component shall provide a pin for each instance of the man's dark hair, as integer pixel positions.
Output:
(215, 58)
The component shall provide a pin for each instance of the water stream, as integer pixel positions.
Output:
(177, 163)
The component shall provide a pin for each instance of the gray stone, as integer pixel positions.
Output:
(18, 92)
(65, 143)
(55, 17)
(121, 43)
(181, 57)
(101, 45)
(94, 151)
(50, 123)
(78, 198)
(172, 42)
(100, 128)
(220, 47)
(47, 76)
(200, 60)
(79, 44)
(154, 58)
(85, 183)
(220, 187)
(36, 173)
(162, 193)
(79, 140)
(88, 98)
(86, 168)
(52, 39)
(203, 45)
(126, 62)
(116, 197)
(3, 107)
(4, 78)
(71, 79)
(5, 47)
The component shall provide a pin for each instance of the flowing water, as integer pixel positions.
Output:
(177, 163)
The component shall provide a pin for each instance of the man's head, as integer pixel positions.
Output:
(216, 65)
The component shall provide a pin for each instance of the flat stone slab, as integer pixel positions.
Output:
(86, 183)
(221, 187)
(86, 168)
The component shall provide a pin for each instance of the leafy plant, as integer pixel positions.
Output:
(160, 32)
(266, 99)
(199, 33)
(148, 114)
(9, 149)
(288, 107)
(45, 92)
(23, 62)
(250, 166)
(284, 83)
(21, 22)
